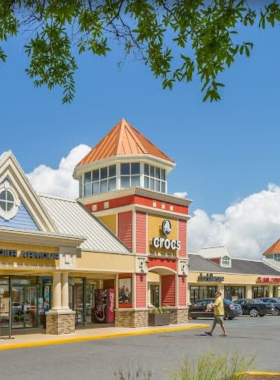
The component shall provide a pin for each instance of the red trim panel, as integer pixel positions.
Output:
(168, 290)
(183, 237)
(138, 200)
(162, 262)
(182, 289)
(141, 290)
(141, 233)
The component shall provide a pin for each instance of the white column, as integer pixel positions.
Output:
(64, 291)
(56, 291)
(248, 291)
(270, 291)
(221, 289)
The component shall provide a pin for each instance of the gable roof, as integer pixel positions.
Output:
(275, 248)
(123, 140)
(240, 266)
(72, 218)
(213, 252)
(10, 170)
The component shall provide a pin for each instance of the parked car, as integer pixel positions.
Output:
(252, 307)
(198, 309)
(273, 301)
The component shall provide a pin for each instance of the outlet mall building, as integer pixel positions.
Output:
(108, 256)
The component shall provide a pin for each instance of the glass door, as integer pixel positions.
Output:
(24, 306)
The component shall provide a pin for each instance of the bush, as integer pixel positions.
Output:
(160, 310)
(214, 367)
(209, 366)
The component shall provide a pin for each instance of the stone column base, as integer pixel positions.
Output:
(131, 318)
(179, 315)
(60, 322)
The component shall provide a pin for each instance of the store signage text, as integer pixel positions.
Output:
(268, 280)
(210, 277)
(28, 254)
(166, 243)
(158, 242)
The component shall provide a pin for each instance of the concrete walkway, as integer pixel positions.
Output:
(40, 338)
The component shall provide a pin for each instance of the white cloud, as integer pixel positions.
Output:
(181, 194)
(247, 228)
(59, 181)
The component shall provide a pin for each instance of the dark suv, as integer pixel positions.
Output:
(252, 307)
(275, 302)
(198, 309)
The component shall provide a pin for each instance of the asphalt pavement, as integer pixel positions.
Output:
(157, 354)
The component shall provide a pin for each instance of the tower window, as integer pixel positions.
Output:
(130, 175)
(154, 178)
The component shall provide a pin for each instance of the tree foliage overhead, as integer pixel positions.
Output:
(176, 39)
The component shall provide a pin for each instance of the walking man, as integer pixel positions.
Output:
(219, 313)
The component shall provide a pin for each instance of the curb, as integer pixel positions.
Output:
(98, 337)
(260, 373)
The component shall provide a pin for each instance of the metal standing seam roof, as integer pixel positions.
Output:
(274, 249)
(123, 140)
(239, 266)
(72, 218)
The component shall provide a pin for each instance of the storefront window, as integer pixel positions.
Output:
(276, 291)
(234, 293)
(260, 291)
(198, 292)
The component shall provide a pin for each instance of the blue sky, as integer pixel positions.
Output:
(225, 152)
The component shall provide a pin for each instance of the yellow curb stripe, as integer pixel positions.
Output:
(260, 373)
(98, 337)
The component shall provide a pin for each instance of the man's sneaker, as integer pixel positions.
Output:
(208, 333)
(223, 335)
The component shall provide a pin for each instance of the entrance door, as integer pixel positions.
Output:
(24, 306)
(154, 295)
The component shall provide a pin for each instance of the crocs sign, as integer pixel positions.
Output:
(159, 242)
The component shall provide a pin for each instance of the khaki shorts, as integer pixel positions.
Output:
(219, 319)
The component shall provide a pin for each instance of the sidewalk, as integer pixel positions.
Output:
(32, 339)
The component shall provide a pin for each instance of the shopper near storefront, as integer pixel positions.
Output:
(219, 313)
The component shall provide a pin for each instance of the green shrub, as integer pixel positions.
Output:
(160, 310)
(213, 366)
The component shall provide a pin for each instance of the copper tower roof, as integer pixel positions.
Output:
(275, 248)
(123, 140)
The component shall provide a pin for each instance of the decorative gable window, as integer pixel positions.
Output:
(9, 201)
(226, 261)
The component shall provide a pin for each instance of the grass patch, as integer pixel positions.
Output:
(209, 366)
(214, 366)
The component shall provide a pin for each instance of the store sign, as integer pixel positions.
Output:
(29, 254)
(159, 242)
(268, 280)
(209, 277)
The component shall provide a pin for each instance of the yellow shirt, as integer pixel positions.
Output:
(219, 306)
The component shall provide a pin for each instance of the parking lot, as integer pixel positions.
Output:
(159, 353)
